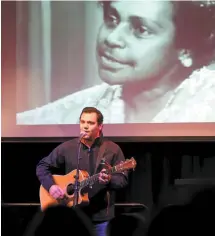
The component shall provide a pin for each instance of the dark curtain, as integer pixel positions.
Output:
(151, 183)
(159, 166)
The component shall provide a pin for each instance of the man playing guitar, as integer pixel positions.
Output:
(63, 159)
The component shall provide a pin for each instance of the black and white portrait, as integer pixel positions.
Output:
(136, 61)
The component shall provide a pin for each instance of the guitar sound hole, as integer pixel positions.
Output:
(70, 189)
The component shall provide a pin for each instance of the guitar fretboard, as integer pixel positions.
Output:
(93, 179)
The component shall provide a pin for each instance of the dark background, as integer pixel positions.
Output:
(154, 183)
(159, 164)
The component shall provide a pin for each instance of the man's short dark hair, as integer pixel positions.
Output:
(93, 110)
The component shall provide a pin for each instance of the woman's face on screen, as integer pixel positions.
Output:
(135, 41)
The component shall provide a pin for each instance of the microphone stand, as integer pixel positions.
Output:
(76, 186)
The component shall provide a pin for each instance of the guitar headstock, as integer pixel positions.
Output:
(126, 165)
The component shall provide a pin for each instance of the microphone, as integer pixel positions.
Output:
(82, 134)
(76, 184)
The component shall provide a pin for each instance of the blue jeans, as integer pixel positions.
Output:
(100, 228)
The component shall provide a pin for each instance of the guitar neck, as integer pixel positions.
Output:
(94, 178)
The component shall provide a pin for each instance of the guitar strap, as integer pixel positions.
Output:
(101, 158)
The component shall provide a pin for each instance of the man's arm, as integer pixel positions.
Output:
(43, 169)
(118, 180)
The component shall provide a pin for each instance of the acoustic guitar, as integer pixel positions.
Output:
(67, 183)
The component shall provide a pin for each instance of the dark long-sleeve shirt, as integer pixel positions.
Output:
(63, 159)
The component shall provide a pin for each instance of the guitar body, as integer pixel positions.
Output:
(62, 181)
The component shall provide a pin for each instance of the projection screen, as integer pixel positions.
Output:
(148, 66)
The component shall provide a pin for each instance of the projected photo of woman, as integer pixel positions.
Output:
(157, 63)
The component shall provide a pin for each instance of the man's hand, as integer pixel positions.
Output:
(56, 192)
(103, 177)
